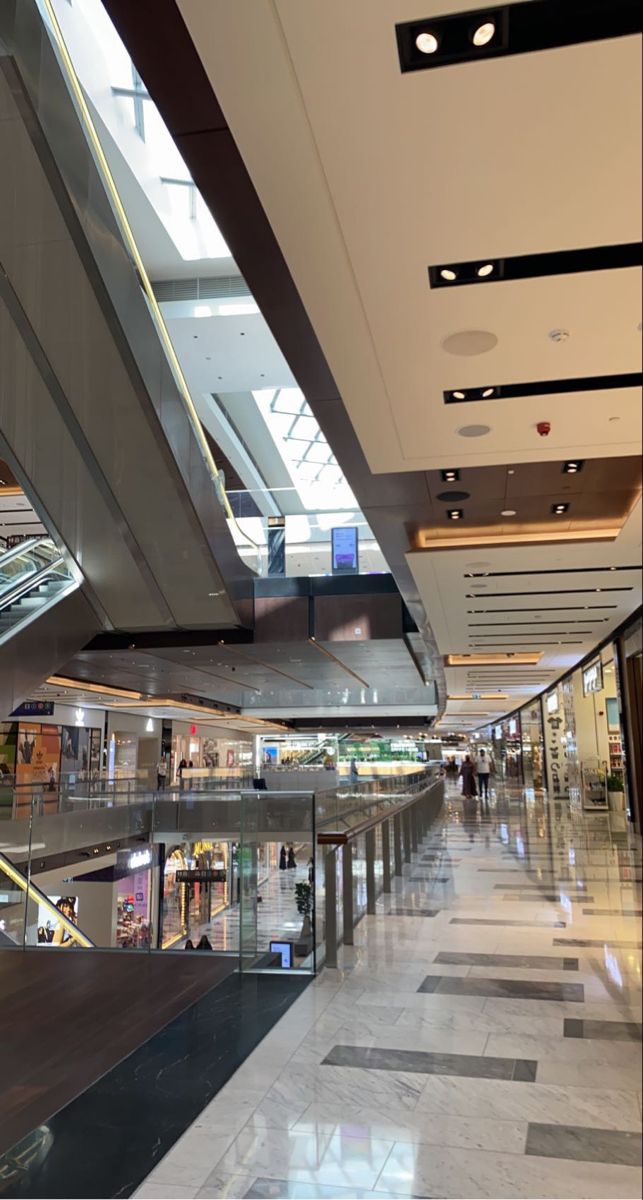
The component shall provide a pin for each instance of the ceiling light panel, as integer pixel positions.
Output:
(533, 266)
(511, 29)
(544, 387)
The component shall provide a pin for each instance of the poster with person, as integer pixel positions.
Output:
(74, 751)
(8, 748)
(38, 759)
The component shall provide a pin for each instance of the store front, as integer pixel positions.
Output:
(532, 752)
(210, 756)
(197, 884)
(506, 744)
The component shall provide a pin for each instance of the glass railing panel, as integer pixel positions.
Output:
(277, 880)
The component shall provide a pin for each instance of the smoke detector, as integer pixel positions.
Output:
(559, 335)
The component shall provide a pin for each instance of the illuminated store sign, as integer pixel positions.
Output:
(552, 703)
(593, 678)
(140, 858)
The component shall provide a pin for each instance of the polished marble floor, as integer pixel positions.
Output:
(481, 1039)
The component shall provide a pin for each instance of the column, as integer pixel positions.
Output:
(370, 871)
(347, 892)
(386, 857)
(397, 843)
(406, 830)
(330, 903)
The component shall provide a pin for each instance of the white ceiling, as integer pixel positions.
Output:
(368, 176)
(468, 608)
(393, 172)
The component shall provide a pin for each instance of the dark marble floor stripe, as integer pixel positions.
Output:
(430, 879)
(414, 912)
(522, 924)
(507, 989)
(424, 1062)
(606, 1031)
(549, 897)
(108, 1140)
(611, 912)
(536, 962)
(609, 942)
(615, 1146)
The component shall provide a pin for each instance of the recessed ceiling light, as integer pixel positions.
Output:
(483, 34)
(508, 512)
(450, 475)
(448, 274)
(427, 43)
(455, 514)
(487, 392)
(460, 395)
(485, 270)
(573, 467)
(559, 509)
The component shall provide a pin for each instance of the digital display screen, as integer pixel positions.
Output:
(345, 551)
(285, 950)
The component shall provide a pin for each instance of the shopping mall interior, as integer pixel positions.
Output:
(321, 764)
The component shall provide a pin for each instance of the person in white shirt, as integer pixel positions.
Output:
(161, 773)
(484, 771)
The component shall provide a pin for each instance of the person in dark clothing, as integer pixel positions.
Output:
(282, 859)
(291, 859)
(189, 945)
(468, 773)
(204, 943)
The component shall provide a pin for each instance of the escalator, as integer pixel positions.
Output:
(33, 577)
(97, 422)
(20, 927)
(44, 617)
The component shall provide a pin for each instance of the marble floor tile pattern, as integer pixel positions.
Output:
(464, 1055)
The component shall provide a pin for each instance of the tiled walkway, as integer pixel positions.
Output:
(482, 1038)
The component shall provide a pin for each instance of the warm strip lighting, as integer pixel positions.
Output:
(517, 538)
(104, 690)
(481, 696)
(34, 893)
(519, 659)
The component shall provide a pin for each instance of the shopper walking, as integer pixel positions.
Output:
(292, 865)
(182, 767)
(468, 773)
(283, 861)
(161, 773)
(484, 770)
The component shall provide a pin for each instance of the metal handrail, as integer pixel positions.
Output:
(26, 585)
(22, 547)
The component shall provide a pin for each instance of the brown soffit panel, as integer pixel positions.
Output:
(357, 618)
(281, 619)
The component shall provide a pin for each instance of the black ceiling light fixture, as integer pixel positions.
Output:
(455, 514)
(450, 475)
(573, 466)
(558, 509)
(512, 29)
(534, 266)
(544, 387)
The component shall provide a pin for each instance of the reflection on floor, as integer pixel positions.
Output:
(489, 1048)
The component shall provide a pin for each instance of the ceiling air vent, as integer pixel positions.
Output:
(216, 287)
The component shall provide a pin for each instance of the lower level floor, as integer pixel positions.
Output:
(482, 1038)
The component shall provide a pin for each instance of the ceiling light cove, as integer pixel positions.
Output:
(533, 266)
(544, 387)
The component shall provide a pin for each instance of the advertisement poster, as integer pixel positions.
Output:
(344, 550)
(38, 754)
(50, 931)
(8, 749)
(74, 751)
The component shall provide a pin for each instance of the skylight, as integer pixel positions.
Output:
(304, 450)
